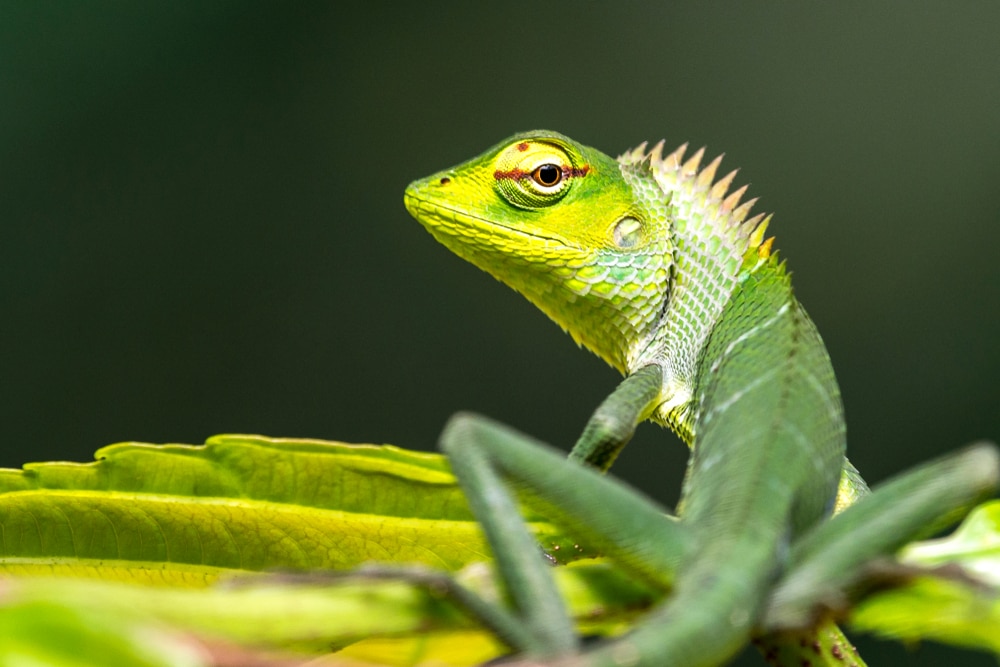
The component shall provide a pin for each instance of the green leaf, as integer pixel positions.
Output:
(955, 596)
(373, 479)
(933, 608)
(52, 633)
(311, 615)
(182, 517)
(183, 514)
(975, 546)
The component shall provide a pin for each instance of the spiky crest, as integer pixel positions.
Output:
(716, 243)
(713, 199)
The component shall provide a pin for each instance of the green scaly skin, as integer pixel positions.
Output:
(649, 261)
(653, 265)
(635, 259)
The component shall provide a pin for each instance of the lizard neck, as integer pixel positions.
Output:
(715, 247)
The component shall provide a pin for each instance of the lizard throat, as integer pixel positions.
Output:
(606, 300)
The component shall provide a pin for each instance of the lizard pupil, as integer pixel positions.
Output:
(547, 175)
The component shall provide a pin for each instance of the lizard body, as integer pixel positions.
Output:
(635, 258)
(654, 265)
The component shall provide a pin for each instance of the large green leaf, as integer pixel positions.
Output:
(179, 516)
(185, 514)
(182, 517)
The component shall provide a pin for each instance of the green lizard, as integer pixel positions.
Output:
(652, 264)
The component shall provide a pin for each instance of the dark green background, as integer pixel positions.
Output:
(201, 226)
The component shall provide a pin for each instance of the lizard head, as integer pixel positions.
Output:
(566, 226)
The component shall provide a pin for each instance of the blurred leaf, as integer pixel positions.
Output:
(943, 603)
(316, 613)
(933, 608)
(975, 546)
(54, 634)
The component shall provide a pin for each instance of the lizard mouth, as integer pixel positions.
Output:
(437, 217)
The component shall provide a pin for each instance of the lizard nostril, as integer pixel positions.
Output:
(444, 180)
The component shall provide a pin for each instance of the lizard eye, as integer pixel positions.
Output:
(534, 174)
(547, 175)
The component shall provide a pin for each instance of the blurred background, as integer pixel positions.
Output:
(202, 230)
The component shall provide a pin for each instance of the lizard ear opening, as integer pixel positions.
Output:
(627, 232)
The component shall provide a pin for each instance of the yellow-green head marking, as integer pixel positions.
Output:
(635, 257)
(558, 222)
